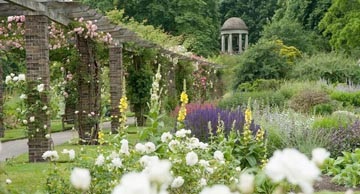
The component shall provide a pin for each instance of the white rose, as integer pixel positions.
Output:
(216, 189)
(173, 144)
(293, 166)
(219, 156)
(191, 158)
(116, 162)
(23, 96)
(124, 147)
(139, 147)
(319, 155)
(8, 181)
(40, 87)
(70, 152)
(21, 77)
(246, 184)
(80, 178)
(177, 182)
(52, 155)
(203, 182)
(130, 184)
(8, 79)
(149, 147)
(158, 171)
(100, 160)
(165, 137)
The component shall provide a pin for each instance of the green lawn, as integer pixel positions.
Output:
(20, 133)
(31, 177)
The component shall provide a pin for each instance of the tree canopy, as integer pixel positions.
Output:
(306, 12)
(342, 24)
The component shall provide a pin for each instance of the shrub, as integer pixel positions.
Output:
(261, 61)
(336, 120)
(260, 85)
(200, 120)
(332, 67)
(324, 109)
(291, 32)
(290, 88)
(347, 98)
(305, 100)
(270, 98)
(287, 128)
(344, 139)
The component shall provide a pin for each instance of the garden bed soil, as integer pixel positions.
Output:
(325, 184)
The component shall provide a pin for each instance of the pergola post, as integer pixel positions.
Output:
(116, 74)
(88, 75)
(37, 63)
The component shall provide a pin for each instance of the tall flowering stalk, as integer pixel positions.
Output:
(247, 132)
(254, 141)
(123, 106)
(182, 112)
(154, 108)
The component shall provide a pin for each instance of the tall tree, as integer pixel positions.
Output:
(255, 13)
(198, 21)
(306, 12)
(342, 24)
(102, 5)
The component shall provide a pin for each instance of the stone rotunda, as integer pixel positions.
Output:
(234, 36)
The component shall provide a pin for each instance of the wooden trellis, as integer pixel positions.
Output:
(38, 13)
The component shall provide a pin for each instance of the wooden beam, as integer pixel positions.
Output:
(39, 8)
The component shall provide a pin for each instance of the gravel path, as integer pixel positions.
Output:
(14, 148)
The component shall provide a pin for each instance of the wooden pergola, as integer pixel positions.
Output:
(38, 14)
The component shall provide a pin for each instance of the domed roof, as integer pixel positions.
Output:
(234, 23)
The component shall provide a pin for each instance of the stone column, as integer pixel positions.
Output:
(223, 43)
(230, 50)
(240, 43)
(88, 75)
(246, 41)
(37, 63)
(116, 74)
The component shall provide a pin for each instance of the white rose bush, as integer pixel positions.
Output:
(26, 113)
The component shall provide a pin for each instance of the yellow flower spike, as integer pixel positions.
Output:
(248, 116)
(123, 104)
(101, 137)
(260, 134)
(184, 97)
(182, 114)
